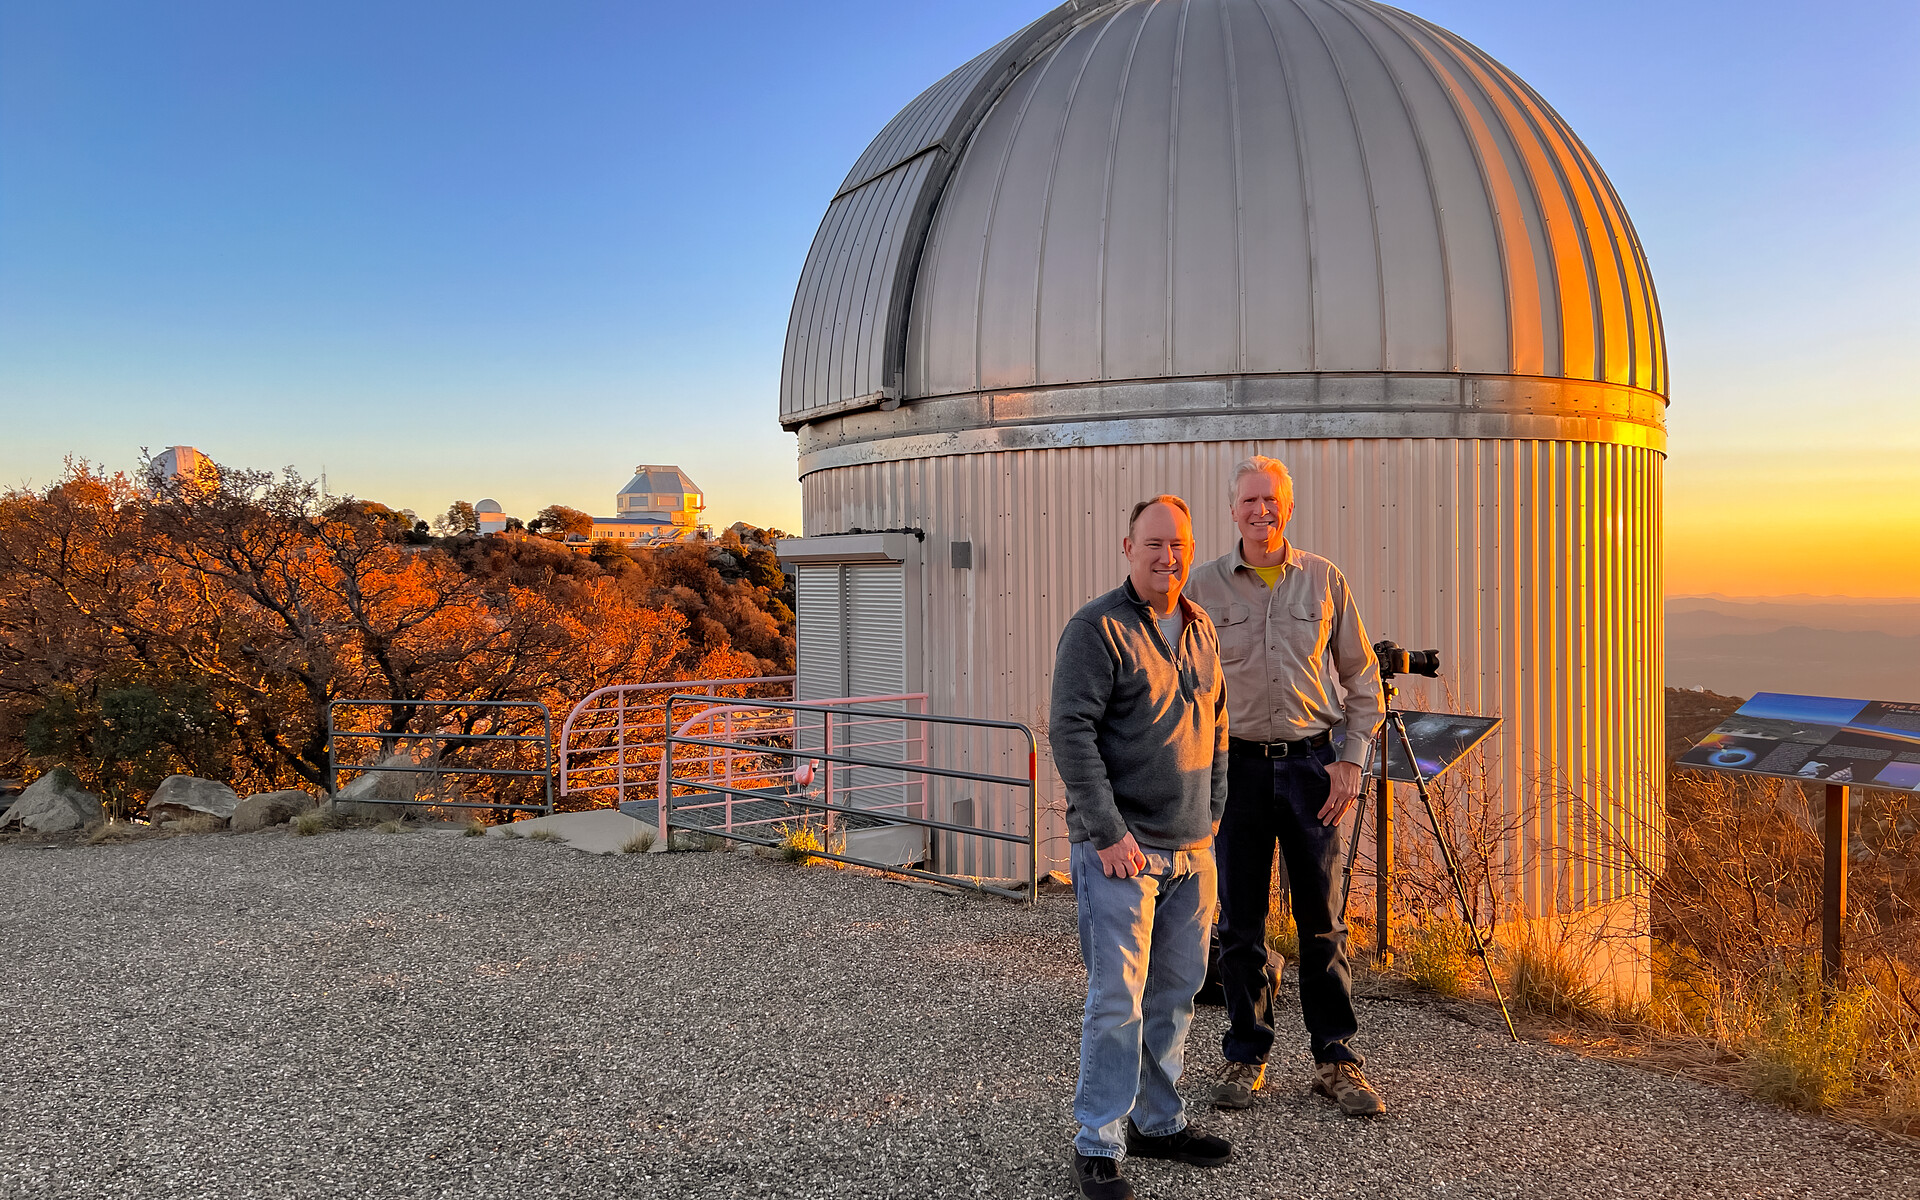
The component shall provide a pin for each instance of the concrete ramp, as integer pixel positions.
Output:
(601, 831)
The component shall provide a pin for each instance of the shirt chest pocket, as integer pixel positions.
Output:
(1239, 632)
(1308, 622)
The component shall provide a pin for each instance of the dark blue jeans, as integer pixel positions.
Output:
(1268, 801)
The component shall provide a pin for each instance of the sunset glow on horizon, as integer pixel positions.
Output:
(455, 253)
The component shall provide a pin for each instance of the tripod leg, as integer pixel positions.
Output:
(1353, 849)
(1453, 872)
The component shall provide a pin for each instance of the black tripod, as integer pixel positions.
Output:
(1393, 718)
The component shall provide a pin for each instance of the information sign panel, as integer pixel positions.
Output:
(1861, 743)
(1439, 740)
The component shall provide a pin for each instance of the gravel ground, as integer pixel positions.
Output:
(429, 1015)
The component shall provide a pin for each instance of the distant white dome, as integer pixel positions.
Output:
(488, 506)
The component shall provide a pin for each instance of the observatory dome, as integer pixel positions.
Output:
(1142, 220)
(1141, 240)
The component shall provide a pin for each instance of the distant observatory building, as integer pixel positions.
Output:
(490, 516)
(184, 466)
(659, 504)
(1140, 240)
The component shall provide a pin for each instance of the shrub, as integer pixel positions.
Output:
(639, 843)
(1802, 1049)
(474, 829)
(393, 826)
(545, 835)
(309, 823)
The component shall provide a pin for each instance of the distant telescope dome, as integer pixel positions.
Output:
(1208, 213)
(487, 506)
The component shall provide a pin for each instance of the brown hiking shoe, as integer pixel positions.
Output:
(1238, 1082)
(1342, 1083)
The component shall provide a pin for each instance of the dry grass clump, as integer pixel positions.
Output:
(1547, 978)
(195, 824)
(1283, 936)
(800, 842)
(1439, 957)
(311, 822)
(474, 829)
(639, 843)
(394, 826)
(545, 835)
(698, 841)
(1901, 1111)
(803, 841)
(114, 832)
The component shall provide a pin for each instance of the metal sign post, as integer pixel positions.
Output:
(1383, 869)
(1429, 744)
(1833, 893)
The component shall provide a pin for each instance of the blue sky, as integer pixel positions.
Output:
(460, 250)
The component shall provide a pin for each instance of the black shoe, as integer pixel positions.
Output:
(1194, 1149)
(1099, 1178)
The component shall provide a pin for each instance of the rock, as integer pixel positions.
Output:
(182, 796)
(380, 795)
(268, 809)
(55, 803)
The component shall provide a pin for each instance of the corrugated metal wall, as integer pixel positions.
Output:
(1534, 566)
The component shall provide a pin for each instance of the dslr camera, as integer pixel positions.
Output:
(1395, 661)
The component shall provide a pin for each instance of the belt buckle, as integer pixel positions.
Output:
(1283, 747)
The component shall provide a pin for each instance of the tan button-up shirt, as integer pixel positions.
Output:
(1282, 648)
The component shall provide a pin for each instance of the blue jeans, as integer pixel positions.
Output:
(1144, 941)
(1269, 801)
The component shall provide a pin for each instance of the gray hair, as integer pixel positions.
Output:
(1282, 478)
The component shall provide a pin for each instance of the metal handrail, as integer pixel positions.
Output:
(570, 771)
(829, 709)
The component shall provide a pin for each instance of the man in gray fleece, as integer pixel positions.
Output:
(1139, 736)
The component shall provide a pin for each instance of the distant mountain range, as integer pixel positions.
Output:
(1867, 649)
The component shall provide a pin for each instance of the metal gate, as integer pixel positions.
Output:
(441, 741)
(713, 805)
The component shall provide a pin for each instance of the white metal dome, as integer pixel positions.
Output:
(1180, 219)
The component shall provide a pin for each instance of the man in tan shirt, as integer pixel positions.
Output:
(1289, 630)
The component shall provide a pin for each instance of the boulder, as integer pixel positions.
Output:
(380, 795)
(55, 803)
(269, 809)
(181, 796)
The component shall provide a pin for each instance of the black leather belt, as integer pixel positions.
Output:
(1279, 749)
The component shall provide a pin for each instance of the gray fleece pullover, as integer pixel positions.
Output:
(1138, 727)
